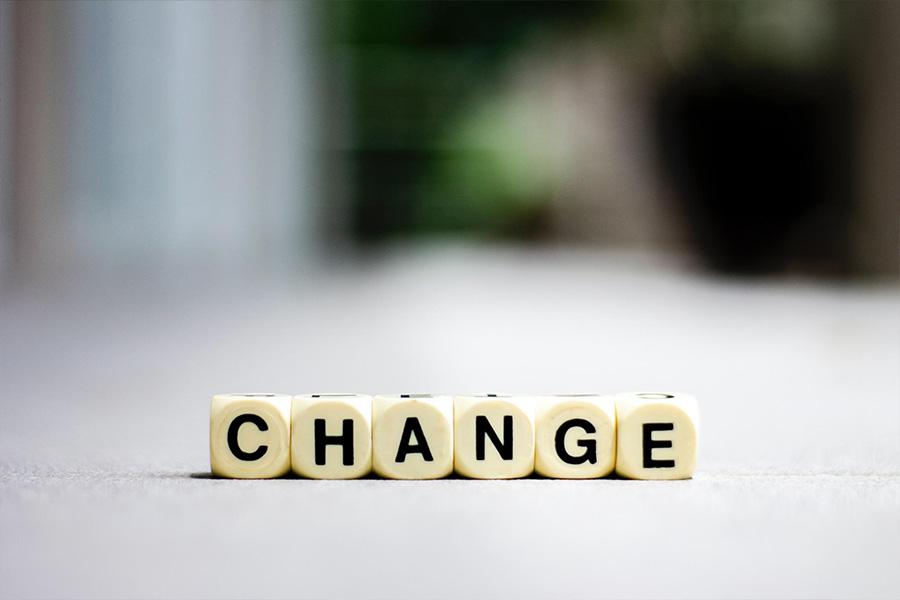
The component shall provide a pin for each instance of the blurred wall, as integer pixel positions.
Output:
(6, 128)
(876, 229)
(233, 138)
(159, 137)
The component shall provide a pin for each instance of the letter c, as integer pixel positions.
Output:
(233, 437)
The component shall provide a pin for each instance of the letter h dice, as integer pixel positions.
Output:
(331, 437)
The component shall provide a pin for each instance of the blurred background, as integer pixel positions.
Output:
(748, 138)
(449, 197)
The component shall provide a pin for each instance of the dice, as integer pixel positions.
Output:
(250, 435)
(493, 436)
(412, 436)
(647, 435)
(575, 436)
(657, 435)
(331, 436)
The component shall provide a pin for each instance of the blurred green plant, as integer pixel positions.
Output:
(439, 145)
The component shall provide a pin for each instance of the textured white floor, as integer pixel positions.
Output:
(103, 435)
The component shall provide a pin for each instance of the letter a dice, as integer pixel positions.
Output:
(494, 436)
(413, 436)
(250, 435)
(575, 436)
(331, 436)
(657, 435)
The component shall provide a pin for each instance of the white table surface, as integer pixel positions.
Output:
(104, 487)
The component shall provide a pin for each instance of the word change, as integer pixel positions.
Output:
(424, 436)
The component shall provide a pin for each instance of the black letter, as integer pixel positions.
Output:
(412, 426)
(650, 444)
(483, 428)
(345, 440)
(590, 446)
(233, 437)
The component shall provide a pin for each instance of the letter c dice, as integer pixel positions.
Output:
(657, 435)
(250, 435)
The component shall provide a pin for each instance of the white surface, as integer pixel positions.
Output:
(104, 399)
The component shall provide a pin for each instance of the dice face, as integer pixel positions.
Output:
(250, 435)
(494, 436)
(657, 435)
(412, 436)
(575, 436)
(331, 436)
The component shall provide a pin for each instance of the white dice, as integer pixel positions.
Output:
(412, 436)
(494, 436)
(647, 435)
(331, 436)
(575, 436)
(657, 435)
(250, 435)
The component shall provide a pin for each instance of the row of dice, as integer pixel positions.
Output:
(424, 436)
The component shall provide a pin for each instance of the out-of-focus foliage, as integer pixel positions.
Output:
(440, 142)
(433, 146)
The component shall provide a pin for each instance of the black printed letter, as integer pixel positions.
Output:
(650, 444)
(233, 437)
(345, 440)
(590, 446)
(413, 427)
(483, 428)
